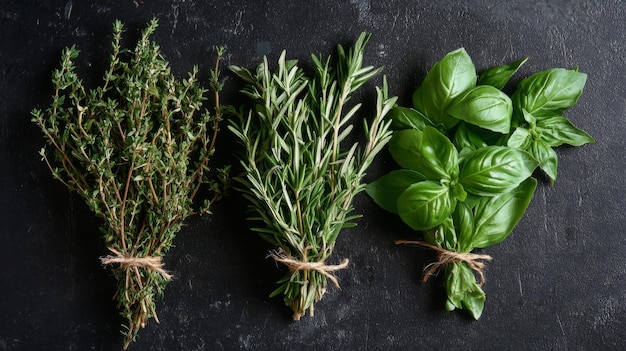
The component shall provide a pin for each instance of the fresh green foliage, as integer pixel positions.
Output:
(137, 150)
(386, 190)
(539, 103)
(483, 106)
(468, 152)
(298, 178)
(494, 170)
(448, 78)
(498, 76)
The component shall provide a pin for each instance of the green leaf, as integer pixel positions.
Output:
(463, 290)
(459, 192)
(530, 119)
(558, 130)
(466, 138)
(408, 118)
(448, 78)
(474, 300)
(444, 235)
(471, 200)
(546, 156)
(437, 155)
(495, 217)
(429, 152)
(484, 106)
(471, 137)
(404, 148)
(495, 169)
(549, 92)
(520, 139)
(386, 189)
(425, 205)
(498, 76)
(464, 223)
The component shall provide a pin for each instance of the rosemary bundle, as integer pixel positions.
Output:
(299, 180)
(137, 150)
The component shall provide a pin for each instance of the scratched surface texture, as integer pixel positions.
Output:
(557, 283)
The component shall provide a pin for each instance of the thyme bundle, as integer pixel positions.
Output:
(137, 150)
(299, 180)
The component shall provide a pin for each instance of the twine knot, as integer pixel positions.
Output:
(474, 261)
(153, 264)
(294, 264)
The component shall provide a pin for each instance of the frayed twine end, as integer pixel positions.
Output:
(154, 264)
(297, 265)
(474, 261)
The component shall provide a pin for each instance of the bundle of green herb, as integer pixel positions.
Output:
(299, 180)
(467, 153)
(137, 150)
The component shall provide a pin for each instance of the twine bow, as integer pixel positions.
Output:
(153, 264)
(296, 265)
(474, 261)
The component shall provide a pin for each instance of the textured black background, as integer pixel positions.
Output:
(558, 282)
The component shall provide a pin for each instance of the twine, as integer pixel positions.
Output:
(295, 265)
(474, 261)
(153, 264)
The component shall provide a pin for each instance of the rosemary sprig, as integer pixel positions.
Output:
(298, 179)
(137, 150)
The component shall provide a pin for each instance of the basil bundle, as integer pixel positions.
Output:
(468, 152)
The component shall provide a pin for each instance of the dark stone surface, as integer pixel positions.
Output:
(557, 283)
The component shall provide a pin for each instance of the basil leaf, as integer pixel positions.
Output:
(463, 290)
(549, 92)
(444, 236)
(471, 200)
(495, 169)
(498, 76)
(495, 217)
(386, 189)
(558, 130)
(429, 152)
(546, 156)
(438, 156)
(458, 191)
(484, 106)
(408, 118)
(474, 299)
(464, 222)
(465, 138)
(530, 119)
(520, 139)
(454, 285)
(425, 205)
(447, 79)
(404, 148)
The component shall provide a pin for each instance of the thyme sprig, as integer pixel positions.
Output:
(298, 178)
(137, 149)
